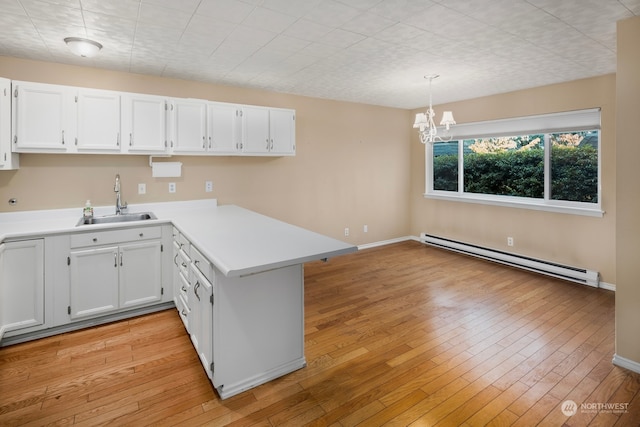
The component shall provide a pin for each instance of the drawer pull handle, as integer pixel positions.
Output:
(141, 234)
(183, 289)
(195, 290)
(196, 262)
(184, 265)
(95, 239)
(175, 260)
(184, 314)
(115, 260)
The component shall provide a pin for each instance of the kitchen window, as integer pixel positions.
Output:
(548, 162)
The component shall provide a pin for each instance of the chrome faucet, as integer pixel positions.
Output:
(119, 206)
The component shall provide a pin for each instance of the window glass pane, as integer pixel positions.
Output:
(445, 166)
(574, 166)
(505, 166)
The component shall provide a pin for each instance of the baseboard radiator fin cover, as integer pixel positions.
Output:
(574, 274)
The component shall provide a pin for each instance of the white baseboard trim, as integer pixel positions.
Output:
(625, 363)
(607, 286)
(387, 242)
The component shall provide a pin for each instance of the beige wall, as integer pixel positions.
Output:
(350, 168)
(628, 175)
(570, 239)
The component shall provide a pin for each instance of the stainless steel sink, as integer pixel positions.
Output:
(110, 219)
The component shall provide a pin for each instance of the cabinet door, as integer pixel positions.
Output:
(189, 120)
(93, 281)
(255, 130)
(201, 318)
(98, 121)
(21, 284)
(140, 273)
(224, 128)
(43, 117)
(144, 124)
(8, 160)
(282, 131)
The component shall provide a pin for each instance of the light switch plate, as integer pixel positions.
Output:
(142, 188)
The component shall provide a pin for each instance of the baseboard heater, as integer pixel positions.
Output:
(574, 274)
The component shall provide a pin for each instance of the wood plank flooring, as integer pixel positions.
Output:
(403, 335)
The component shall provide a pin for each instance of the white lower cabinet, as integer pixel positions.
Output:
(201, 318)
(94, 281)
(21, 285)
(109, 273)
(246, 330)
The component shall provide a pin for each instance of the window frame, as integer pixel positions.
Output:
(580, 120)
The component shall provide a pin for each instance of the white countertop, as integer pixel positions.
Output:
(238, 241)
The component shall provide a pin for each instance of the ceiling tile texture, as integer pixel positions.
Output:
(366, 51)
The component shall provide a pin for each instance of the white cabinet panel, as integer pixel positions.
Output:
(140, 278)
(255, 130)
(98, 121)
(8, 159)
(44, 119)
(282, 130)
(108, 273)
(224, 128)
(201, 318)
(94, 281)
(189, 126)
(268, 131)
(144, 124)
(21, 285)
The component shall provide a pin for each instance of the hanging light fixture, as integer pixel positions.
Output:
(424, 121)
(83, 47)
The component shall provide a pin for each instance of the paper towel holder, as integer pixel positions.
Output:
(165, 169)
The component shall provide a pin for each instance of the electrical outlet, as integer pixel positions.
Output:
(142, 188)
(365, 228)
(346, 232)
(208, 186)
(172, 187)
(509, 241)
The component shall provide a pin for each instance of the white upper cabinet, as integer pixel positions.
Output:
(63, 119)
(282, 131)
(189, 126)
(224, 128)
(268, 131)
(43, 118)
(8, 159)
(98, 121)
(144, 124)
(255, 130)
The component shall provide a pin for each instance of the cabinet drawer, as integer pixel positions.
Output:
(182, 241)
(183, 261)
(184, 284)
(99, 238)
(183, 311)
(202, 264)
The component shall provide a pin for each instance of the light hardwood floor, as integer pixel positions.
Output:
(399, 335)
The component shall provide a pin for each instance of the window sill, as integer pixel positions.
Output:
(515, 202)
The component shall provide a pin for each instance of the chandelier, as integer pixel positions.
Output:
(424, 121)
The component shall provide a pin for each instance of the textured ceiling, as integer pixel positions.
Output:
(367, 51)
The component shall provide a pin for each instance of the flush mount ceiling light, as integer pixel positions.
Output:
(424, 121)
(83, 47)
